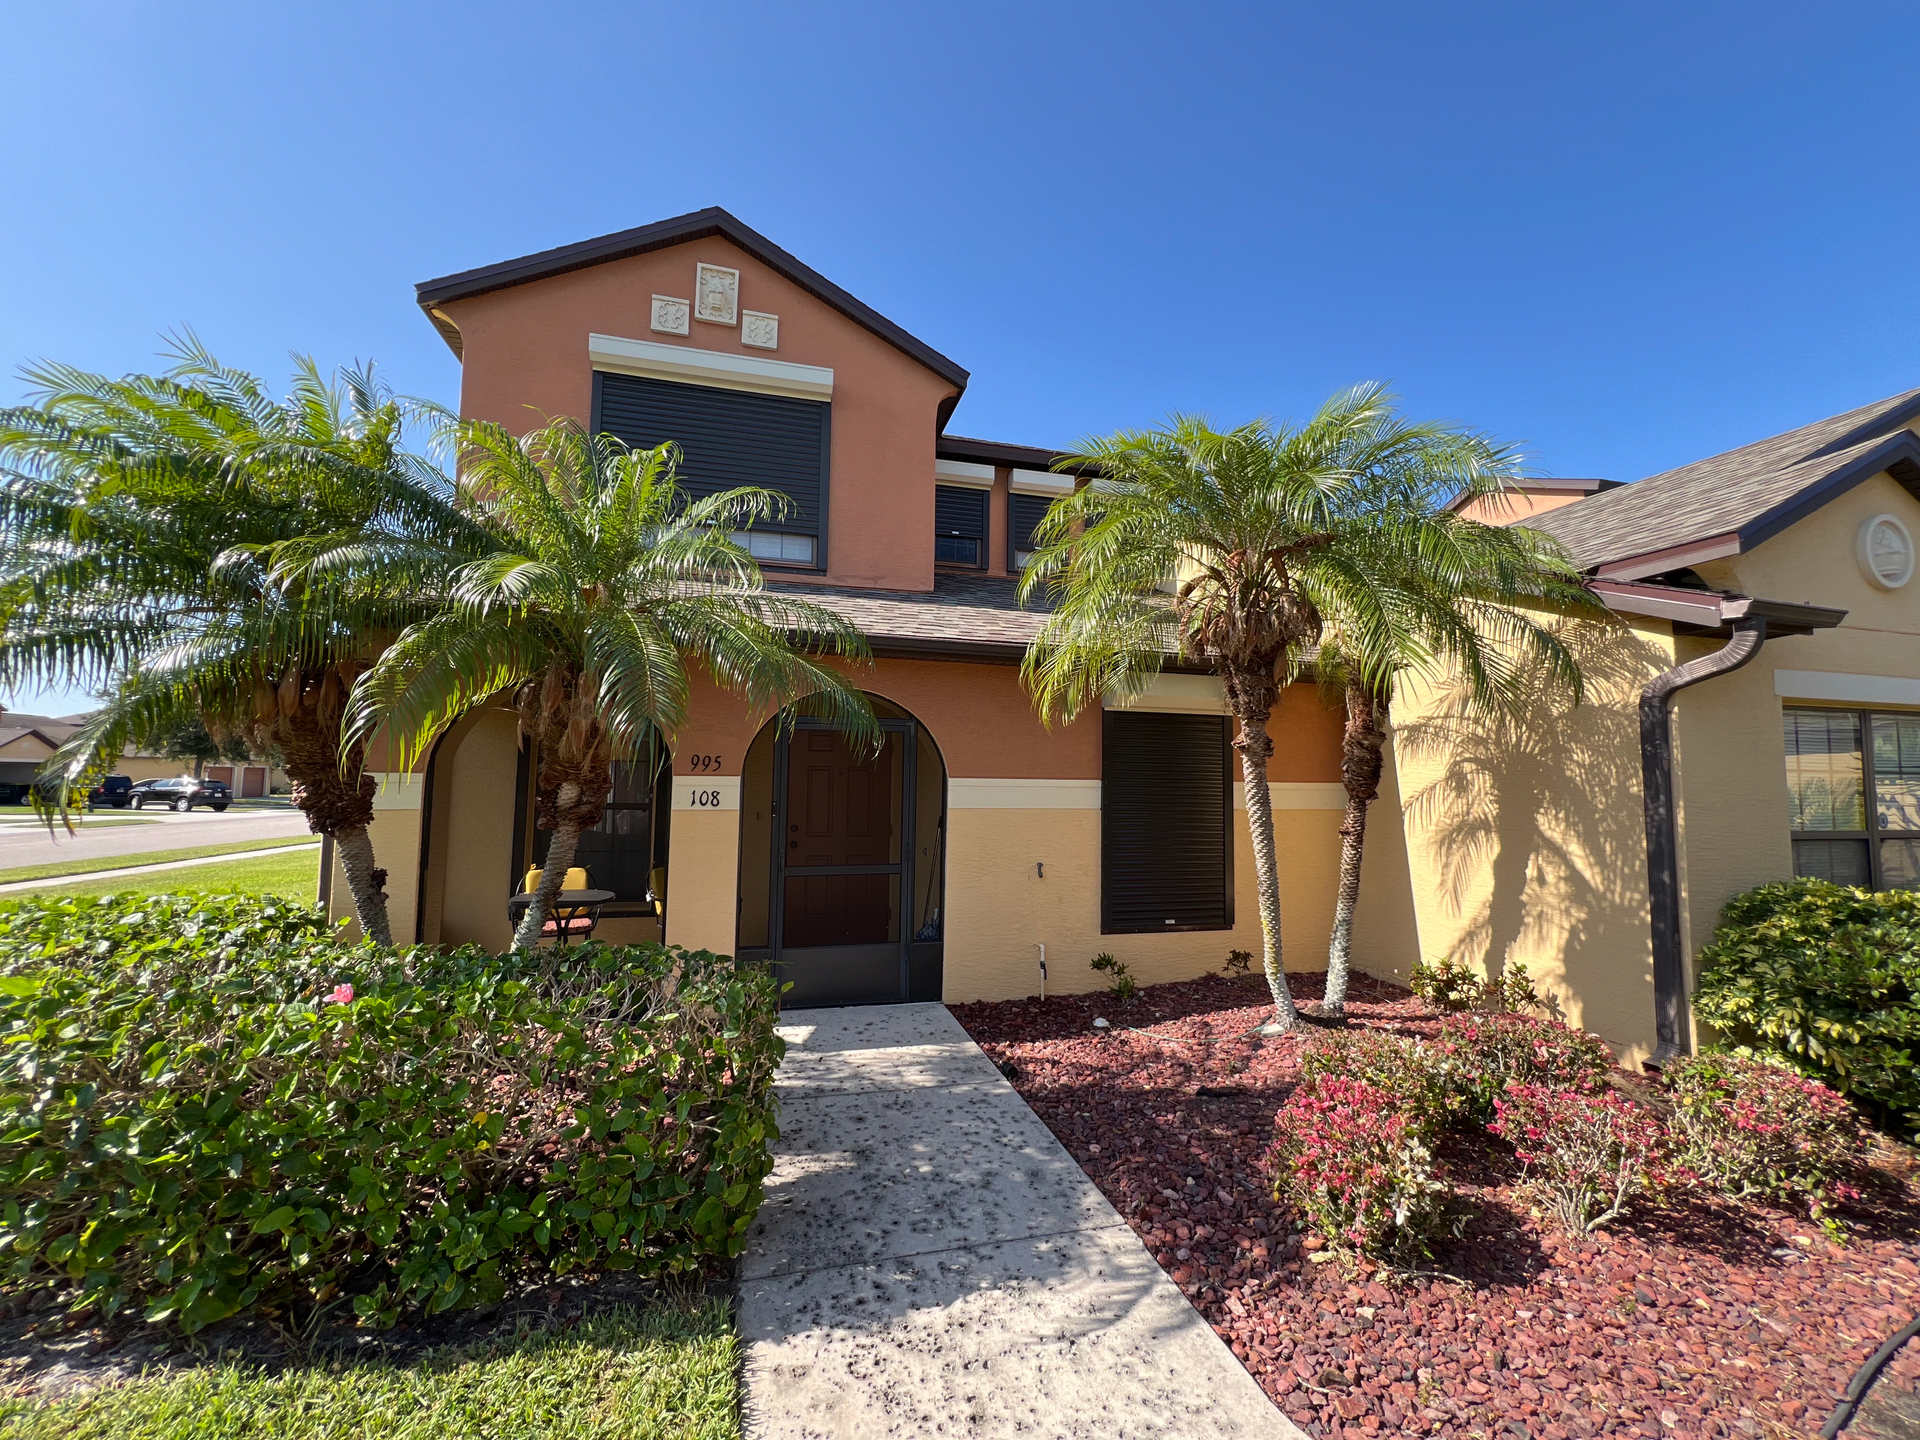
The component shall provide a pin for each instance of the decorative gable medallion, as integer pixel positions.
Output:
(670, 315)
(1885, 551)
(716, 294)
(759, 330)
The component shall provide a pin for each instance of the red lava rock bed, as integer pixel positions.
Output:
(1691, 1318)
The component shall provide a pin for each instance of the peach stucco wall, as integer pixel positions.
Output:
(526, 359)
(1515, 506)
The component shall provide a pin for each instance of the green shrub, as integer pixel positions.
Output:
(1449, 985)
(1484, 1053)
(210, 1104)
(1827, 979)
(1124, 986)
(1414, 1074)
(1750, 1127)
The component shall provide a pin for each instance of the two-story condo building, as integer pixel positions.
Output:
(981, 842)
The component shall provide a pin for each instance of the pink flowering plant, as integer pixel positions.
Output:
(1487, 1053)
(1357, 1167)
(1752, 1128)
(1415, 1074)
(1587, 1153)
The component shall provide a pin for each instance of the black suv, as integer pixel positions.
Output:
(181, 793)
(111, 791)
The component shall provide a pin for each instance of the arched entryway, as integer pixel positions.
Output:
(843, 860)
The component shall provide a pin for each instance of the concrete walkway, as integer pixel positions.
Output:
(931, 1262)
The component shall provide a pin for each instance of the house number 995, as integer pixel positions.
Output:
(702, 764)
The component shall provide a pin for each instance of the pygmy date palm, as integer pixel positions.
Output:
(1230, 549)
(144, 526)
(603, 583)
(1473, 603)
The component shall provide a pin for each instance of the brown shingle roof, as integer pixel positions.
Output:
(962, 614)
(1748, 494)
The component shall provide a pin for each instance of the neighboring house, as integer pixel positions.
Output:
(27, 740)
(981, 836)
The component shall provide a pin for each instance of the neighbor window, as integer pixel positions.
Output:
(959, 525)
(1166, 823)
(1853, 782)
(776, 547)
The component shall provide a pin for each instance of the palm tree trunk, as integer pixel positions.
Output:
(553, 872)
(365, 882)
(1251, 699)
(1362, 752)
(336, 805)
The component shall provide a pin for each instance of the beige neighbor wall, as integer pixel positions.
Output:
(1526, 836)
(395, 833)
(1731, 750)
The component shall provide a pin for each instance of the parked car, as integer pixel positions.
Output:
(183, 792)
(111, 791)
(14, 794)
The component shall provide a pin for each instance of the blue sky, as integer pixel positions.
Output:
(1626, 235)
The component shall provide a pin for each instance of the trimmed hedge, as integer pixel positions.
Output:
(1827, 979)
(205, 1102)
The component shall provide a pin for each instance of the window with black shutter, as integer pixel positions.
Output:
(1025, 513)
(730, 438)
(1166, 823)
(959, 525)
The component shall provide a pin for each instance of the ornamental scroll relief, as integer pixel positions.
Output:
(670, 315)
(716, 294)
(759, 329)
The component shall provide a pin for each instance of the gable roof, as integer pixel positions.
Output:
(1729, 503)
(700, 224)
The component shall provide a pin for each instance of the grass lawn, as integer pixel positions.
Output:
(292, 876)
(666, 1371)
(150, 857)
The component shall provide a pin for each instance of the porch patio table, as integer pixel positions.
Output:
(566, 902)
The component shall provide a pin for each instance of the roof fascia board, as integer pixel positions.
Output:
(1790, 512)
(1674, 557)
(1659, 602)
(1901, 417)
(699, 225)
(999, 452)
(719, 368)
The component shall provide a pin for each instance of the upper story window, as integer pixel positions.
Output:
(1023, 515)
(960, 526)
(1853, 782)
(730, 438)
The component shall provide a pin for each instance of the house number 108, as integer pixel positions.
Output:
(706, 799)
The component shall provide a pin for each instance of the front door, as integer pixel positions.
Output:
(841, 867)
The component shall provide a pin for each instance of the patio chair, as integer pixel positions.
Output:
(574, 922)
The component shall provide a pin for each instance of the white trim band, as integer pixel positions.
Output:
(719, 368)
(710, 792)
(1040, 482)
(963, 472)
(1854, 689)
(971, 794)
(1179, 695)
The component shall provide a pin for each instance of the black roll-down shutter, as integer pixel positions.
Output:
(1166, 823)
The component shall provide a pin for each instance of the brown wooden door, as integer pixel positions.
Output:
(842, 811)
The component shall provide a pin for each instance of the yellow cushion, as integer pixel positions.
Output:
(576, 880)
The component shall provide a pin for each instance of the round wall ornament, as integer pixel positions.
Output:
(1885, 550)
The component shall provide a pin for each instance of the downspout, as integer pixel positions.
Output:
(1663, 858)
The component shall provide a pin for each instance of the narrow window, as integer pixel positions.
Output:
(959, 526)
(621, 852)
(1853, 786)
(1023, 517)
(1166, 824)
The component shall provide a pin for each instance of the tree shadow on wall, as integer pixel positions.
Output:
(1534, 815)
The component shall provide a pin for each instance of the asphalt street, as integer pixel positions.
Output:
(28, 844)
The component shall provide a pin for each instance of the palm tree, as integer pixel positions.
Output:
(603, 582)
(1457, 602)
(1231, 548)
(179, 541)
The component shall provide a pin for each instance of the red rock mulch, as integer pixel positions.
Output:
(1694, 1318)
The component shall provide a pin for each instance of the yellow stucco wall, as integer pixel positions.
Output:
(1525, 834)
